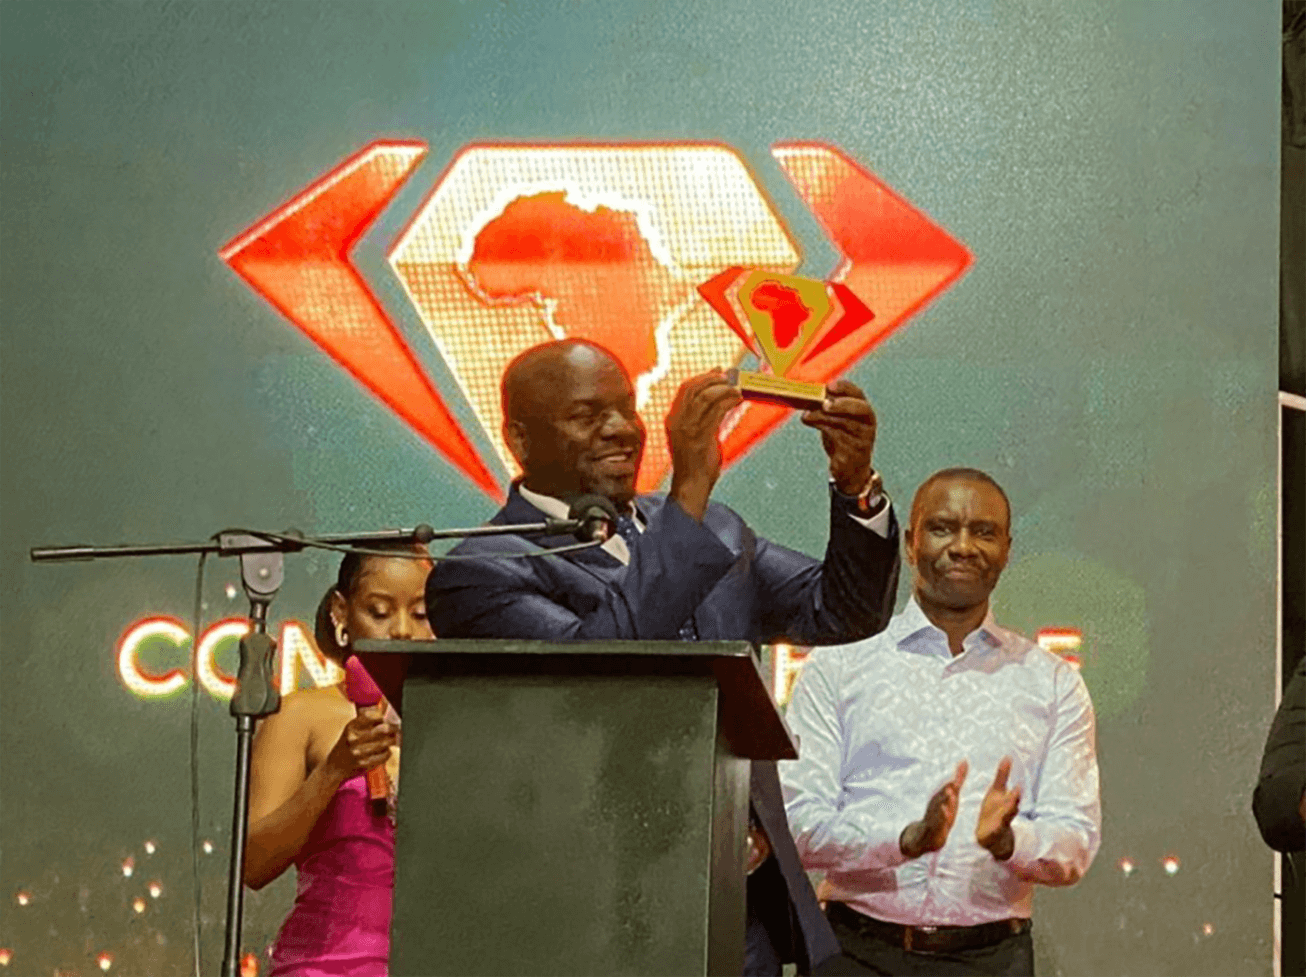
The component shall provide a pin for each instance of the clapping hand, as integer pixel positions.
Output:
(993, 831)
(930, 833)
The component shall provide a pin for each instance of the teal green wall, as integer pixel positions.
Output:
(1110, 358)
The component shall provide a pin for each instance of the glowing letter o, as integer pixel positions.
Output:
(219, 684)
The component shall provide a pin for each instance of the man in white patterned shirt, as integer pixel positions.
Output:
(946, 765)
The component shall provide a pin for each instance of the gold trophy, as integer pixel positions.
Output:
(784, 320)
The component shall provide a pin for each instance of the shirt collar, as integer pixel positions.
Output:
(911, 630)
(547, 504)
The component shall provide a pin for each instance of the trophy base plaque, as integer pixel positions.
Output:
(768, 388)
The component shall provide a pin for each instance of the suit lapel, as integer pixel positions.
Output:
(649, 506)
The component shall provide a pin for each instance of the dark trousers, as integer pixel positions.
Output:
(867, 953)
(785, 922)
(769, 939)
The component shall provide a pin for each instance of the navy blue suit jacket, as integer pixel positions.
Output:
(734, 584)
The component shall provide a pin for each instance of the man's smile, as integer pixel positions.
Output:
(622, 460)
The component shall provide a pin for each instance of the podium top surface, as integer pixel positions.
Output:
(750, 721)
(512, 646)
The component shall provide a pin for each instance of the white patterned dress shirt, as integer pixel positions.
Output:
(882, 725)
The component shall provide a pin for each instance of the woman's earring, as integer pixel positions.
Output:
(342, 636)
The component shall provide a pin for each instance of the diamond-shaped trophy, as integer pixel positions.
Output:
(782, 318)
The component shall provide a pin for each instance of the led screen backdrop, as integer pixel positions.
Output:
(254, 271)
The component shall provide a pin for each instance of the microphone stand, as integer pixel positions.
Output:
(262, 571)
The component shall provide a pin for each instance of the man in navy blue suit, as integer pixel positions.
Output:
(681, 566)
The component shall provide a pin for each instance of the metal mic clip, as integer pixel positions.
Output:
(595, 518)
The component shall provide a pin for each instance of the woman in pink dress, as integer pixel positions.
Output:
(309, 802)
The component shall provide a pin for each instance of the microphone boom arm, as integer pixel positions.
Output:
(237, 542)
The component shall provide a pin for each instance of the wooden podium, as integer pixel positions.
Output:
(574, 808)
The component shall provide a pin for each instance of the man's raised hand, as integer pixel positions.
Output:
(847, 426)
(693, 436)
(930, 833)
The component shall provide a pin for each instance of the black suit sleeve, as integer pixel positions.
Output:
(847, 597)
(673, 567)
(1277, 800)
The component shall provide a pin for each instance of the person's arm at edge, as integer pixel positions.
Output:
(1279, 798)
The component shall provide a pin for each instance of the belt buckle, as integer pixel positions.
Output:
(909, 931)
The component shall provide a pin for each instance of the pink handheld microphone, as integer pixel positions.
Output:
(361, 689)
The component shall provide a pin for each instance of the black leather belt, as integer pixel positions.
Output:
(927, 939)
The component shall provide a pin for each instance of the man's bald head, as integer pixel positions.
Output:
(532, 378)
(569, 419)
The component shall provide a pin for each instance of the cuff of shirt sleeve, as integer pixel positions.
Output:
(1024, 852)
(878, 523)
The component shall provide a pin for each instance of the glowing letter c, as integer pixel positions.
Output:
(138, 682)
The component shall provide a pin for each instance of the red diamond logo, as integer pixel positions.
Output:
(518, 244)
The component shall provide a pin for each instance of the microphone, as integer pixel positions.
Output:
(361, 689)
(597, 517)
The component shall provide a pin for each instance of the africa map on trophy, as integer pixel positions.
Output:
(784, 314)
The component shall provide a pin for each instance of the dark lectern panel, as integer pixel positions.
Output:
(556, 827)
